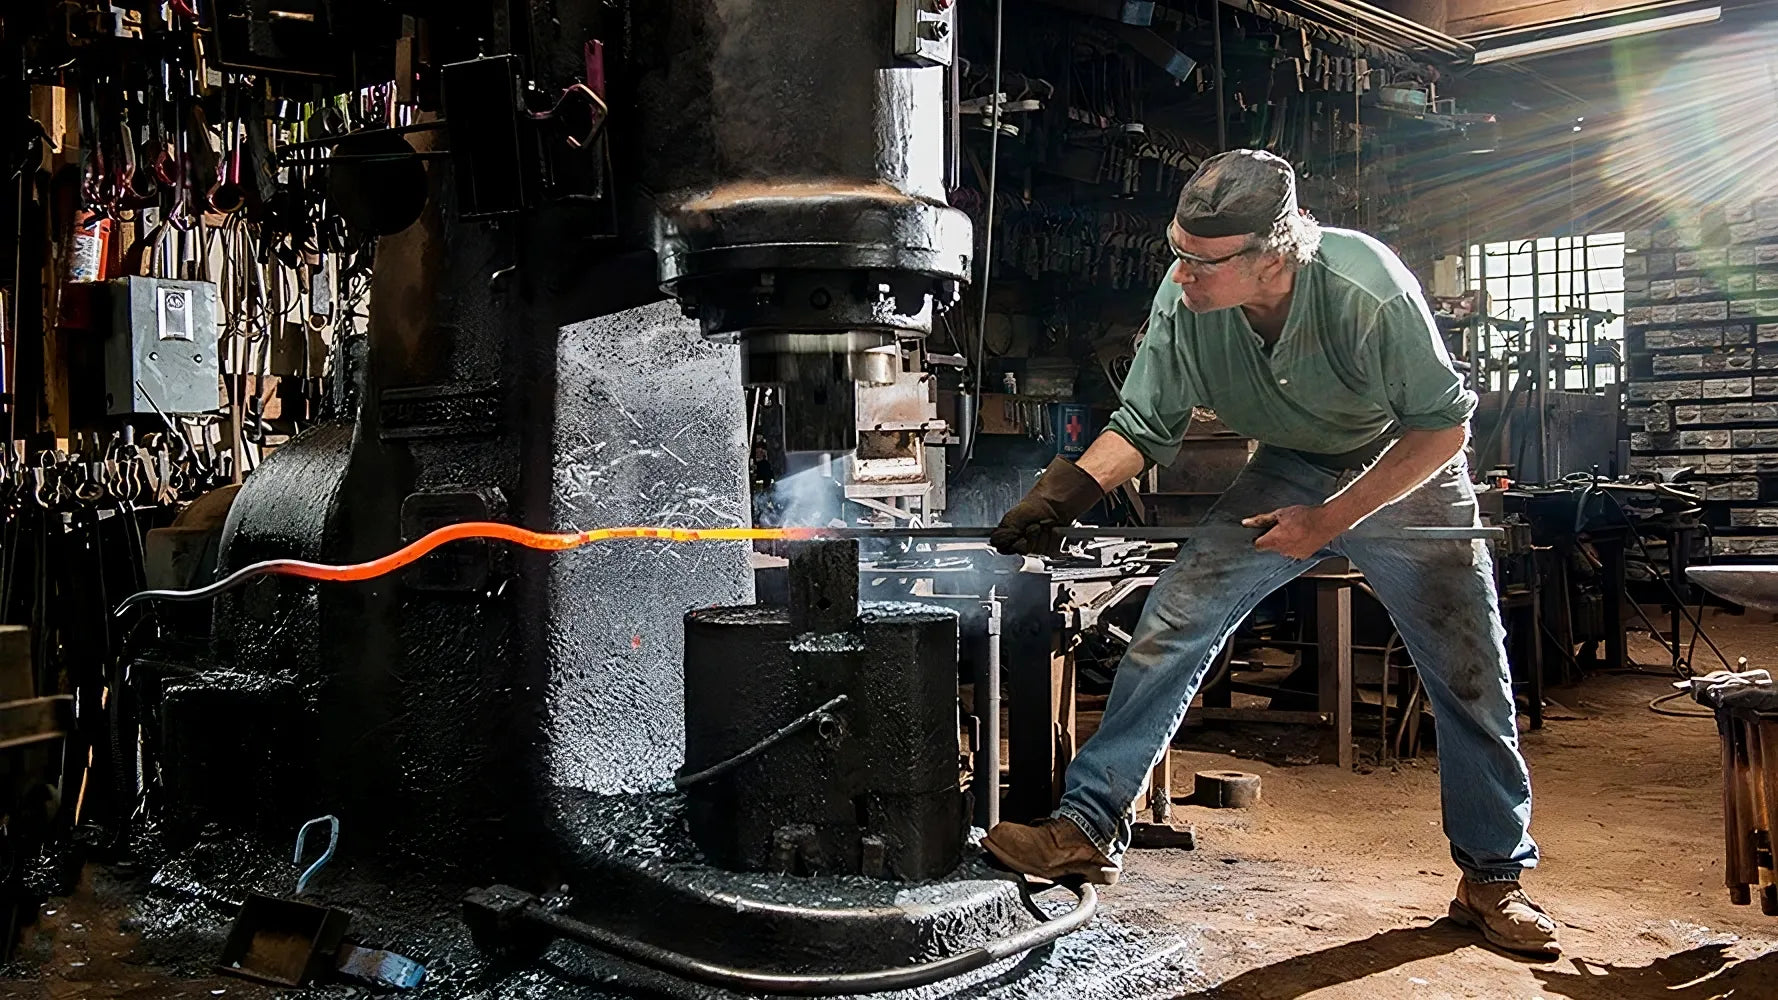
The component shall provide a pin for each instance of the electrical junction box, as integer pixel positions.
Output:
(161, 354)
(925, 31)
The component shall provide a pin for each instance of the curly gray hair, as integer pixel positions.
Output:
(1294, 237)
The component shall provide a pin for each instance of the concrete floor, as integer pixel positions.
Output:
(1335, 886)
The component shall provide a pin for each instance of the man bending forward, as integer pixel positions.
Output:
(1317, 343)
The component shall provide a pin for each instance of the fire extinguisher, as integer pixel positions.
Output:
(87, 262)
(89, 250)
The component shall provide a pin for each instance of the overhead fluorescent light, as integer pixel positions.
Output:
(1591, 36)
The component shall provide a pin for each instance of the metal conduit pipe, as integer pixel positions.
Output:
(1386, 20)
(1341, 23)
(1379, 25)
(1222, 122)
(1390, 53)
(1393, 23)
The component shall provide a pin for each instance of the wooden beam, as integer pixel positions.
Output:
(34, 720)
(1469, 17)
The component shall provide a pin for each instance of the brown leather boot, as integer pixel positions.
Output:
(1506, 917)
(1051, 849)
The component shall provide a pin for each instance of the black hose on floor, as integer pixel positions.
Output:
(1655, 707)
(841, 984)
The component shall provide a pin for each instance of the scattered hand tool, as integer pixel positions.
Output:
(288, 942)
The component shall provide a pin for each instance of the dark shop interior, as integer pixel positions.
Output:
(921, 499)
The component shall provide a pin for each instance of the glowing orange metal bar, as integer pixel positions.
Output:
(413, 551)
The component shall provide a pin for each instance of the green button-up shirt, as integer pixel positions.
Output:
(1359, 357)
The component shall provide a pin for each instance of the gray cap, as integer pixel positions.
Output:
(1237, 193)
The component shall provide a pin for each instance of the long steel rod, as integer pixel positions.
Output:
(563, 541)
(1222, 122)
(987, 709)
(1231, 531)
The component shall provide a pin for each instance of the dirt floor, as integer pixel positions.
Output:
(1335, 886)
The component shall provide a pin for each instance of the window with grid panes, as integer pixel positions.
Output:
(1548, 274)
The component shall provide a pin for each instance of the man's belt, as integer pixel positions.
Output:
(1346, 461)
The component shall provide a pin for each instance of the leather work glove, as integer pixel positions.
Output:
(1064, 492)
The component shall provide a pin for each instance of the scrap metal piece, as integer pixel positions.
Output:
(1225, 789)
(1164, 836)
(385, 968)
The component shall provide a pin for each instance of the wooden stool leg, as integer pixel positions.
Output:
(1333, 642)
(1743, 856)
(1767, 779)
(1731, 821)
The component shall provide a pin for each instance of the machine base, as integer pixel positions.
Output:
(182, 913)
(632, 869)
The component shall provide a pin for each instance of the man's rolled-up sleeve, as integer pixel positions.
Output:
(1419, 386)
(1156, 400)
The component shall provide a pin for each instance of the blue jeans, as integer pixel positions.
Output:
(1441, 597)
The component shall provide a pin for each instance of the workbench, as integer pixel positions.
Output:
(1330, 583)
